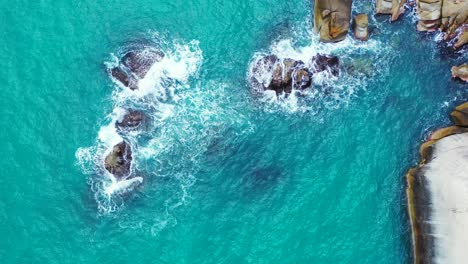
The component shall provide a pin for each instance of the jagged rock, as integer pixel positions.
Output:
(332, 19)
(390, 7)
(134, 65)
(460, 115)
(361, 23)
(289, 74)
(454, 15)
(460, 72)
(131, 120)
(140, 61)
(328, 63)
(124, 78)
(118, 162)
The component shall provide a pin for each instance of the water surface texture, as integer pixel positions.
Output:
(229, 177)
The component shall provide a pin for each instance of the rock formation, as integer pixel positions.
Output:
(450, 16)
(332, 19)
(329, 63)
(360, 25)
(460, 72)
(437, 192)
(284, 75)
(119, 160)
(390, 7)
(134, 65)
(131, 120)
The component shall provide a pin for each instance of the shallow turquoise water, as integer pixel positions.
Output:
(242, 181)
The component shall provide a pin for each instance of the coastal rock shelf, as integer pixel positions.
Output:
(437, 192)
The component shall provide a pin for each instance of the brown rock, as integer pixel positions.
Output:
(461, 38)
(429, 13)
(140, 61)
(118, 162)
(460, 115)
(328, 63)
(131, 120)
(361, 23)
(332, 19)
(390, 7)
(460, 72)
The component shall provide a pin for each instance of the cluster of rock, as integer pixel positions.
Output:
(448, 16)
(285, 75)
(422, 185)
(135, 65)
(332, 21)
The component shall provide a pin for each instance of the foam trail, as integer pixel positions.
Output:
(447, 174)
(156, 96)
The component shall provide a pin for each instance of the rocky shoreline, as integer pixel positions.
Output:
(421, 189)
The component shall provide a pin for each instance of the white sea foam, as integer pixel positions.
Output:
(156, 96)
(327, 91)
(447, 174)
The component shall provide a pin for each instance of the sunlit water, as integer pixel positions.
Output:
(228, 176)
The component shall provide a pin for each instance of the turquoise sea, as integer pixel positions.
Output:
(229, 176)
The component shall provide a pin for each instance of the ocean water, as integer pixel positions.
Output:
(228, 176)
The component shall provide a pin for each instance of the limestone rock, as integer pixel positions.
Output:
(361, 23)
(118, 162)
(332, 19)
(460, 72)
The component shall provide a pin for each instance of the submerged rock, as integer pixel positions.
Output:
(329, 63)
(118, 162)
(332, 19)
(134, 65)
(361, 23)
(460, 72)
(131, 120)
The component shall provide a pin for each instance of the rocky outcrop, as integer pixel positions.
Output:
(360, 25)
(328, 63)
(285, 75)
(134, 66)
(332, 19)
(434, 198)
(450, 16)
(460, 115)
(460, 72)
(119, 160)
(131, 120)
(390, 7)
